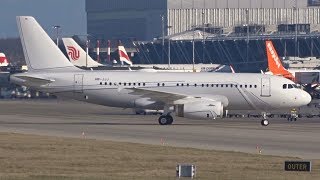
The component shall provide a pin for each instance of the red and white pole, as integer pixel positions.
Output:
(109, 51)
(98, 50)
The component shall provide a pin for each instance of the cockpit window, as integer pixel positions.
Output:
(284, 86)
(289, 86)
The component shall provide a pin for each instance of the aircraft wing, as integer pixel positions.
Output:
(173, 98)
(155, 95)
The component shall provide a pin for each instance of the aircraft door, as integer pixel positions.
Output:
(78, 83)
(265, 87)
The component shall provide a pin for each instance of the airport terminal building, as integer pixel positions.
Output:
(223, 31)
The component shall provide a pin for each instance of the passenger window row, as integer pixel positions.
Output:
(220, 85)
(182, 84)
(124, 84)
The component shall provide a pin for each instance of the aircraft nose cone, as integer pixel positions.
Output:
(305, 98)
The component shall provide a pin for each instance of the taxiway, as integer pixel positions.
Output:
(76, 119)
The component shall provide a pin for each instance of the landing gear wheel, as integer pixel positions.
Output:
(264, 122)
(165, 120)
(170, 119)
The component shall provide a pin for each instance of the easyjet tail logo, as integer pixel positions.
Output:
(273, 53)
(73, 53)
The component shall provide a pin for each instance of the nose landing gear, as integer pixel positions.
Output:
(264, 121)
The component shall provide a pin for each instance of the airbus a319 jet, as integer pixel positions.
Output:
(190, 95)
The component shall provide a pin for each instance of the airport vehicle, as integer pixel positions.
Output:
(189, 95)
(3, 60)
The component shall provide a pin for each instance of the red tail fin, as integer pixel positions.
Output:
(3, 60)
(123, 54)
(274, 64)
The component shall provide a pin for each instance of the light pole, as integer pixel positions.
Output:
(57, 27)
(296, 28)
(169, 48)
(203, 14)
(162, 23)
(87, 50)
(247, 14)
(193, 24)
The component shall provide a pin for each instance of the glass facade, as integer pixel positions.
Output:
(125, 19)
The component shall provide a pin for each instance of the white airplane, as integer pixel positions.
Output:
(77, 55)
(189, 95)
(3, 60)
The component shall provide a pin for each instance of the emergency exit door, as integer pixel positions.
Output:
(78, 83)
(265, 87)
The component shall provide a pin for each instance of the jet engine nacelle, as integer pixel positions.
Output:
(200, 110)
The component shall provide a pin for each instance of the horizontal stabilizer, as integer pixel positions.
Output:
(31, 80)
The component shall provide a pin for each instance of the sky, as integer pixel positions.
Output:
(69, 14)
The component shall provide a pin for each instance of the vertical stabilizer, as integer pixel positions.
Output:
(3, 60)
(77, 55)
(40, 52)
(232, 70)
(123, 55)
(274, 64)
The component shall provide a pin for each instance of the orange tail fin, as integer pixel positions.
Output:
(274, 64)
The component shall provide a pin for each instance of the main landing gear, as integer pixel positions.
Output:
(264, 121)
(165, 119)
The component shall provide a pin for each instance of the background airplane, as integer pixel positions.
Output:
(3, 60)
(123, 55)
(274, 63)
(77, 55)
(276, 67)
(81, 59)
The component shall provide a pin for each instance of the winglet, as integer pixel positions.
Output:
(232, 70)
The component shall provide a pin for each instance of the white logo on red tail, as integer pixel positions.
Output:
(123, 55)
(73, 53)
(3, 60)
(273, 54)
